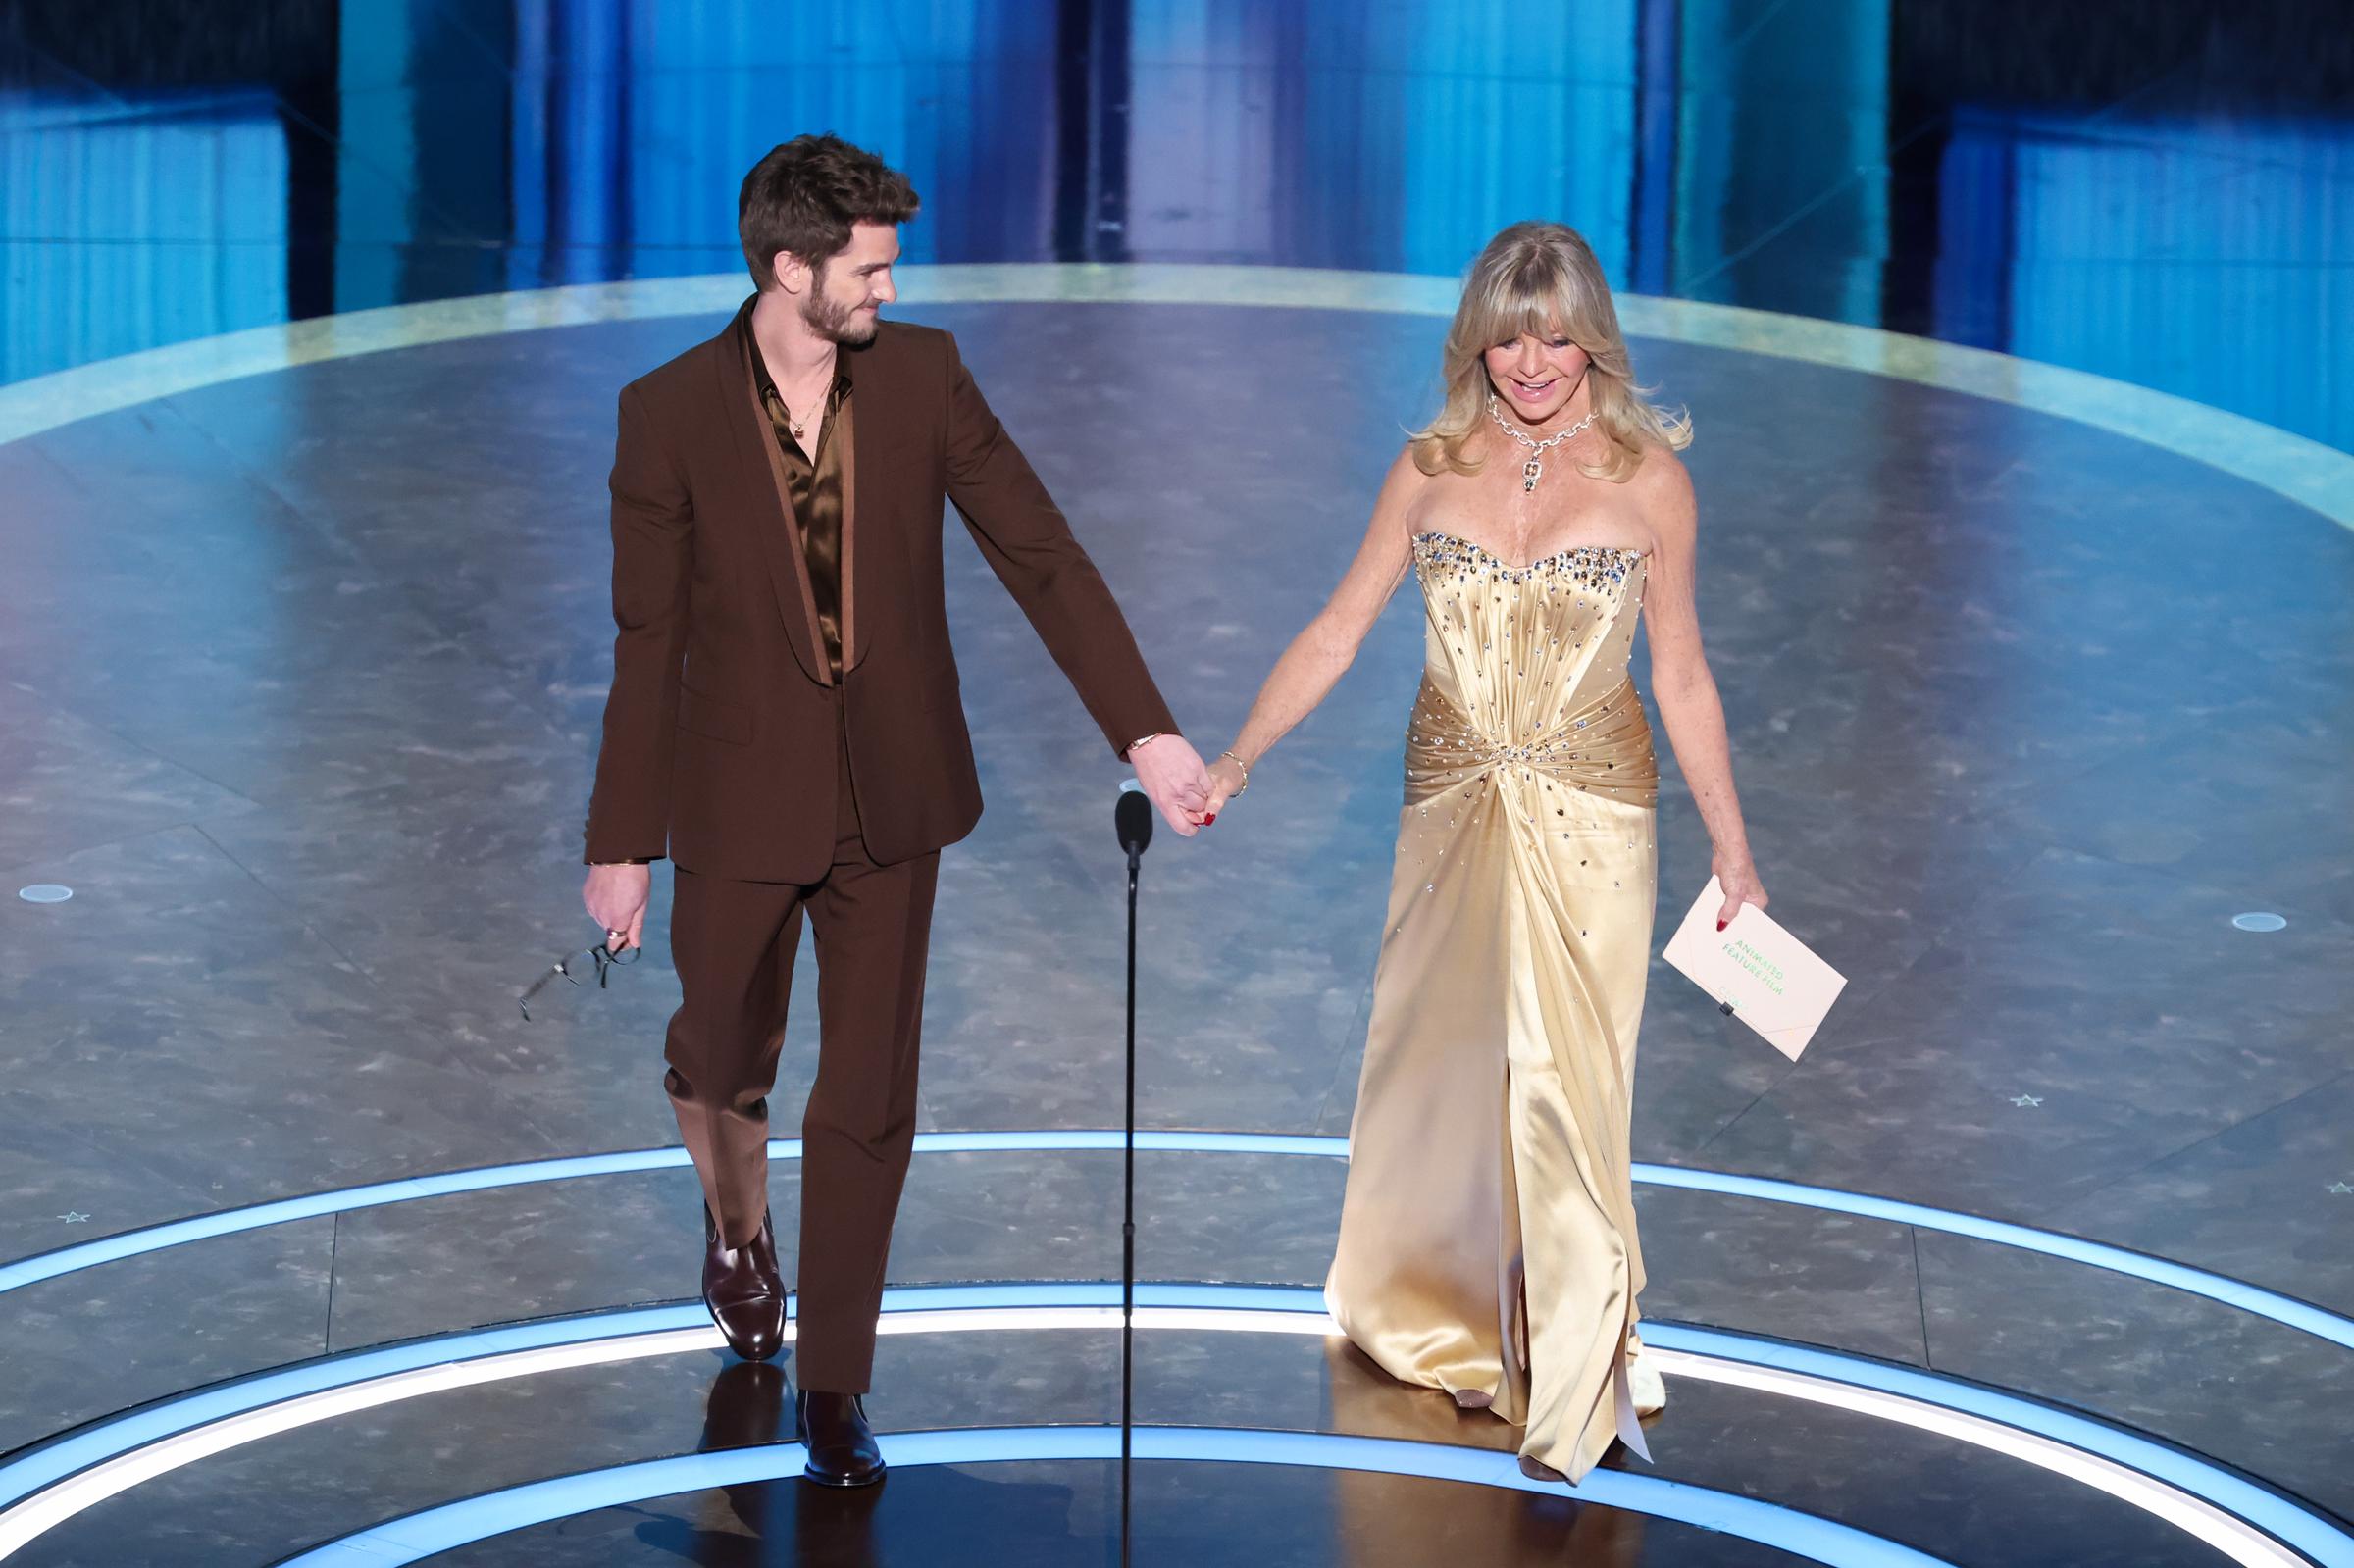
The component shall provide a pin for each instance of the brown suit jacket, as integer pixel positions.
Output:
(720, 736)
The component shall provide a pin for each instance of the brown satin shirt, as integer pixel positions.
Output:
(816, 490)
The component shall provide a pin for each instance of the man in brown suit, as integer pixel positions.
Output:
(785, 725)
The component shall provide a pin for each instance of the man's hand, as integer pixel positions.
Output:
(1174, 779)
(616, 898)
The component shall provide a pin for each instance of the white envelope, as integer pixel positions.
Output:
(1756, 971)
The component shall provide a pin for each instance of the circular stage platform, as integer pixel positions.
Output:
(2037, 1255)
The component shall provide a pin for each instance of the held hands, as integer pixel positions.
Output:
(1174, 779)
(1739, 879)
(616, 896)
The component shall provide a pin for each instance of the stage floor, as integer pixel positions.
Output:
(304, 669)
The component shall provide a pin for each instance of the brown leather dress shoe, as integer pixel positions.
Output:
(744, 1291)
(843, 1451)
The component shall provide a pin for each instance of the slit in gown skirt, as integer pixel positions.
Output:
(1487, 1243)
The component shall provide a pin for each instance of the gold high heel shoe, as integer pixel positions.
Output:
(1644, 1384)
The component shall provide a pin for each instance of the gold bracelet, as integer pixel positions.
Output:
(1128, 752)
(1246, 768)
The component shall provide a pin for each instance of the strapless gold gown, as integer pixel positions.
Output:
(1487, 1240)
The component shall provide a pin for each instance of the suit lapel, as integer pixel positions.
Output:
(846, 433)
(780, 543)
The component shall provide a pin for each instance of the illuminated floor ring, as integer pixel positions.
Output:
(2238, 1294)
(480, 1518)
(2229, 1512)
(2301, 470)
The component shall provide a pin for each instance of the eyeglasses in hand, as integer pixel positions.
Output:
(605, 959)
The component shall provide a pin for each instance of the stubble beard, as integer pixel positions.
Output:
(834, 323)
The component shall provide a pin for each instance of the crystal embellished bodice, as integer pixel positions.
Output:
(1526, 671)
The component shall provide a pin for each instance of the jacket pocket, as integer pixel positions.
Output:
(721, 720)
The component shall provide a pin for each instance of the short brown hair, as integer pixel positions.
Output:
(805, 197)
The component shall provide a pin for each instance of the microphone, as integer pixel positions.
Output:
(1133, 817)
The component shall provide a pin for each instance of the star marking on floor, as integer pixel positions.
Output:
(2340, 1189)
(2027, 1099)
(75, 1218)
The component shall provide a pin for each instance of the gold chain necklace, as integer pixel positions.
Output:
(802, 424)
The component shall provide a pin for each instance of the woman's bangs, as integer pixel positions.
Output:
(1532, 298)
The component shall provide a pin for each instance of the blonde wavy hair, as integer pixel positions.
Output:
(1542, 278)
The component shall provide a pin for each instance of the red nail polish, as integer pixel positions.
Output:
(1207, 820)
(1720, 925)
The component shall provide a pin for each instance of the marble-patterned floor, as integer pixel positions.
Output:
(302, 674)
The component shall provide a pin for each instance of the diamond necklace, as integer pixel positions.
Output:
(1534, 469)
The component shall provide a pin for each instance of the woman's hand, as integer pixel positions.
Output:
(1739, 880)
(1226, 780)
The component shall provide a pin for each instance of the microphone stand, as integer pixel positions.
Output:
(1128, 1227)
(1135, 822)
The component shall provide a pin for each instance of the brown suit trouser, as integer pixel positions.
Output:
(734, 944)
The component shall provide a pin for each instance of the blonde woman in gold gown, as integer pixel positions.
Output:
(1487, 1242)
